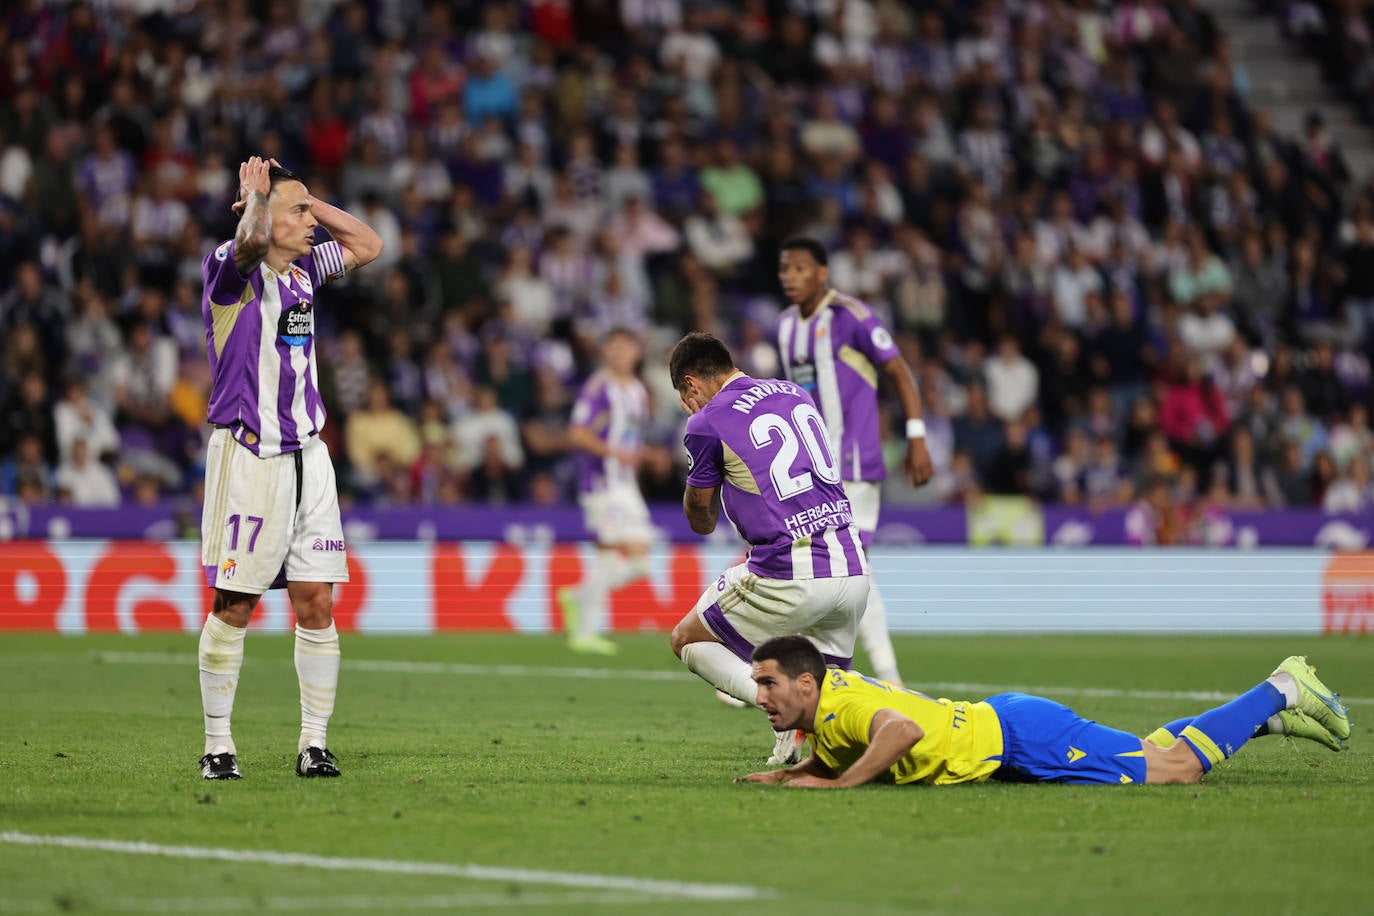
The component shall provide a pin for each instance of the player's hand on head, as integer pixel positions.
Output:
(254, 177)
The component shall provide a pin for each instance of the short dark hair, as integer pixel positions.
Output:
(276, 175)
(621, 330)
(795, 655)
(699, 354)
(803, 243)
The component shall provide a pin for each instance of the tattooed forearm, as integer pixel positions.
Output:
(250, 241)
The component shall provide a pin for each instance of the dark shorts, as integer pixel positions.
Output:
(1045, 741)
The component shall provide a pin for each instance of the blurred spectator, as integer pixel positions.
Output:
(380, 430)
(24, 472)
(1192, 413)
(718, 238)
(979, 433)
(26, 414)
(1153, 521)
(1351, 492)
(84, 481)
(76, 418)
(1012, 381)
(1088, 188)
(487, 423)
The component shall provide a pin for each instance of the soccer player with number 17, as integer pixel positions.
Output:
(271, 514)
(759, 448)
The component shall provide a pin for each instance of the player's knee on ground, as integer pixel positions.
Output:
(313, 604)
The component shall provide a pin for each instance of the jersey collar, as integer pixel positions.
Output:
(820, 307)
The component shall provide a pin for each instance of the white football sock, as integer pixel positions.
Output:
(611, 570)
(722, 669)
(875, 639)
(221, 657)
(317, 668)
(632, 569)
(1284, 683)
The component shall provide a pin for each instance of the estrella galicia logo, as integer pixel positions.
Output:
(297, 324)
(327, 544)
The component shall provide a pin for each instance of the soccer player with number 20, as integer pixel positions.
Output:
(760, 448)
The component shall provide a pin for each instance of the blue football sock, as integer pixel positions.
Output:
(1219, 733)
(1177, 726)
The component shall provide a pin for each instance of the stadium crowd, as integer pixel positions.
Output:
(1119, 283)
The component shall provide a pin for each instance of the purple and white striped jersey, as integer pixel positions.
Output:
(616, 414)
(260, 338)
(765, 445)
(835, 355)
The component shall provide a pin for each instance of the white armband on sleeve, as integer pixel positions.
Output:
(329, 262)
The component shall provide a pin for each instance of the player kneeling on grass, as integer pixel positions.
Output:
(864, 730)
(758, 447)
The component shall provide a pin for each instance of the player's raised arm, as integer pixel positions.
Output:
(918, 465)
(359, 241)
(251, 239)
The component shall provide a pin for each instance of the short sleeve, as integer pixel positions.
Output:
(326, 262)
(223, 282)
(591, 403)
(873, 340)
(854, 717)
(705, 455)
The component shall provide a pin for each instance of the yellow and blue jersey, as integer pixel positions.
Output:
(962, 742)
(1011, 736)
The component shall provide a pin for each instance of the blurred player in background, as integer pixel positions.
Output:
(611, 411)
(759, 448)
(865, 730)
(835, 347)
(271, 513)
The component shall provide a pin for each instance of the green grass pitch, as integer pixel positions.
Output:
(452, 760)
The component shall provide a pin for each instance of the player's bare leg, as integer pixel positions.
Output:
(221, 658)
(708, 659)
(1219, 733)
(317, 669)
(877, 643)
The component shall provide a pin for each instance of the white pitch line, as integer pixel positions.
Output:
(679, 890)
(375, 903)
(632, 674)
(405, 667)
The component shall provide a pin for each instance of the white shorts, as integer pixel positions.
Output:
(744, 609)
(617, 515)
(262, 525)
(864, 496)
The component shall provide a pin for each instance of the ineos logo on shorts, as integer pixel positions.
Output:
(323, 544)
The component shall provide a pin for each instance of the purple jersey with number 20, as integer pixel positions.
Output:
(765, 445)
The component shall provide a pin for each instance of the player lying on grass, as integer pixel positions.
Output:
(864, 730)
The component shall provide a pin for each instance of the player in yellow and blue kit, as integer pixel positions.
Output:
(864, 730)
